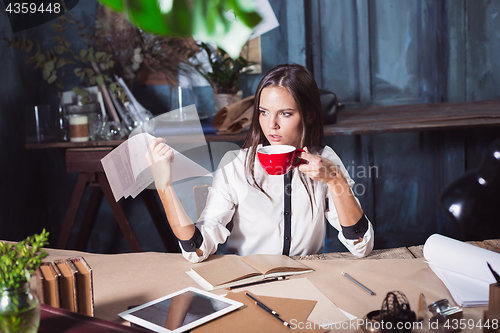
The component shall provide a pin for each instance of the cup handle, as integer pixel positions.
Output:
(299, 160)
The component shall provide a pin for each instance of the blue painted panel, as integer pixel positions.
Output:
(483, 50)
(394, 44)
(339, 49)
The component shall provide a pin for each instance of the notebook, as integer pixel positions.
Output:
(234, 270)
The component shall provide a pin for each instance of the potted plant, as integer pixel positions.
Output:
(19, 308)
(225, 75)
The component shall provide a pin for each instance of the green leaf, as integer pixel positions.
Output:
(46, 74)
(99, 55)
(61, 62)
(147, 15)
(49, 66)
(78, 72)
(83, 53)
(116, 5)
(29, 46)
(52, 78)
(85, 100)
(100, 80)
(59, 49)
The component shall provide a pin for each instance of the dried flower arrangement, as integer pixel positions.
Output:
(136, 50)
(116, 46)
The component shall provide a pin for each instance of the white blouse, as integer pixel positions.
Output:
(258, 222)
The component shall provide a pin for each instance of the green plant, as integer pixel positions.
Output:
(135, 50)
(226, 72)
(19, 261)
(54, 61)
(226, 23)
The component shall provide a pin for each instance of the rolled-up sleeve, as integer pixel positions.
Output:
(359, 238)
(211, 225)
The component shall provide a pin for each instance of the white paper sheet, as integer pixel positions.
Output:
(325, 313)
(462, 268)
(128, 172)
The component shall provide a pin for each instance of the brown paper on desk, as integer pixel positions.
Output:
(251, 318)
(325, 311)
(235, 117)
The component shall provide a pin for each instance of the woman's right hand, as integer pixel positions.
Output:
(160, 157)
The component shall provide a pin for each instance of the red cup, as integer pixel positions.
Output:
(279, 159)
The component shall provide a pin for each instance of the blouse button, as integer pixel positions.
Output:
(287, 238)
(286, 213)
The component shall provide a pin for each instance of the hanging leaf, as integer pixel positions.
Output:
(100, 80)
(52, 78)
(205, 20)
(29, 46)
(49, 66)
(59, 49)
(45, 74)
(60, 63)
(99, 55)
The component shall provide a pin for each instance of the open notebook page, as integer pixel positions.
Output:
(267, 263)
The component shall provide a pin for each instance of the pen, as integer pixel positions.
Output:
(359, 284)
(257, 282)
(421, 307)
(268, 310)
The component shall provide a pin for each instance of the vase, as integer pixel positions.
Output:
(223, 100)
(19, 310)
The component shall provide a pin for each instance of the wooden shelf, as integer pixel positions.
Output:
(113, 143)
(368, 120)
(418, 117)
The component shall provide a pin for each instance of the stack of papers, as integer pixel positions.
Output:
(462, 268)
(128, 172)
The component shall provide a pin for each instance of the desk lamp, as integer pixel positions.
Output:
(473, 200)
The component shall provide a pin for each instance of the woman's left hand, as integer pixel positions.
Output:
(320, 168)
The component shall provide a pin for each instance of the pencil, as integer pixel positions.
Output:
(268, 310)
(421, 307)
(257, 282)
(358, 283)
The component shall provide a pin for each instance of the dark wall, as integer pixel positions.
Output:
(368, 52)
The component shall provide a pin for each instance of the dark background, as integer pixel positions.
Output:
(382, 52)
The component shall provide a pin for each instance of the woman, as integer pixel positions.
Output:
(271, 214)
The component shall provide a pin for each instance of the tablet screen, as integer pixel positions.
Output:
(180, 311)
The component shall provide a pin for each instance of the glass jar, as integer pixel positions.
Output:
(19, 310)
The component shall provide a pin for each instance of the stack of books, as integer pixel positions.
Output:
(66, 284)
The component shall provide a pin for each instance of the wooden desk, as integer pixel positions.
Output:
(135, 278)
(410, 252)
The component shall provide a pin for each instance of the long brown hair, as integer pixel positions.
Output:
(300, 83)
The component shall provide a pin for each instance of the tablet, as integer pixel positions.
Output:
(180, 311)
